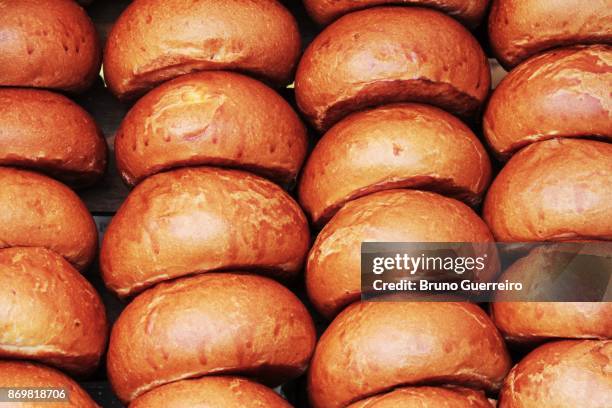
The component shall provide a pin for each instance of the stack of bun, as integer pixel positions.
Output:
(549, 119)
(206, 147)
(50, 313)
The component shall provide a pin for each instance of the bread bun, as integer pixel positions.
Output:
(211, 392)
(48, 44)
(391, 54)
(19, 374)
(209, 324)
(149, 45)
(216, 118)
(393, 146)
(426, 397)
(555, 190)
(48, 132)
(51, 313)
(521, 29)
(38, 211)
(564, 374)
(203, 219)
(469, 12)
(333, 271)
(561, 93)
(373, 347)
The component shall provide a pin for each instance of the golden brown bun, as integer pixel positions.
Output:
(555, 190)
(519, 29)
(564, 374)
(211, 392)
(216, 118)
(50, 312)
(202, 219)
(394, 146)
(18, 374)
(373, 347)
(562, 93)
(157, 40)
(470, 12)
(38, 211)
(426, 397)
(47, 44)
(50, 133)
(209, 324)
(391, 54)
(333, 271)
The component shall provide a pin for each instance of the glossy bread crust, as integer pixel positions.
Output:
(149, 45)
(211, 118)
(202, 219)
(555, 190)
(469, 12)
(426, 397)
(50, 312)
(393, 146)
(38, 211)
(519, 29)
(391, 54)
(373, 347)
(333, 270)
(47, 44)
(561, 93)
(45, 131)
(209, 324)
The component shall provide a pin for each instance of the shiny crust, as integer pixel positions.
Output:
(209, 324)
(563, 374)
(391, 54)
(196, 220)
(556, 190)
(373, 347)
(211, 392)
(426, 397)
(394, 146)
(469, 12)
(38, 211)
(48, 132)
(49, 311)
(215, 118)
(562, 93)
(18, 374)
(333, 271)
(519, 29)
(47, 44)
(148, 45)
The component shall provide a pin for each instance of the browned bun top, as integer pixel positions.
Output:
(19, 374)
(211, 392)
(157, 40)
(469, 12)
(373, 347)
(217, 118)
(393, 146)
(48, 132)
(209, 324)
(519, 29)
(47, 44)
(202, 219)
(564, 374)
(333, 271)
(561, 93)
(50, 312)
(391, 54)
(426, 397)
(38, 211)
(555, 190)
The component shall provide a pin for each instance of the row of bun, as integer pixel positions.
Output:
(207, 243)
